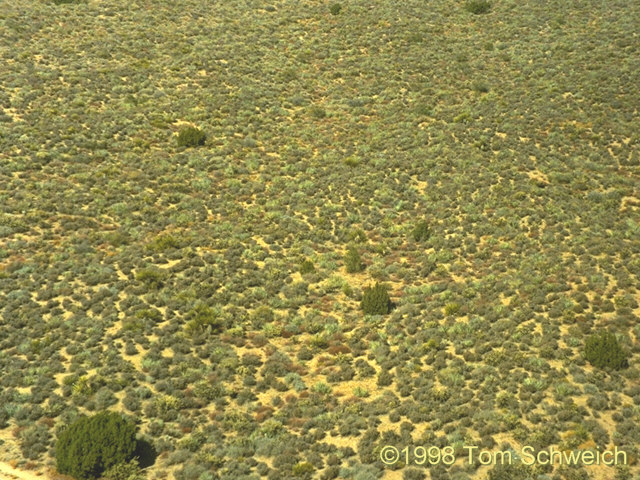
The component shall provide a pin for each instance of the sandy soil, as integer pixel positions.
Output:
(7, 472)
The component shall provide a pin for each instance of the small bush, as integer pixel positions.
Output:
(352, 161)
(451, 308)
(317, 112)
(603, 351)
(124, 471)
(375, 300)
(335, 9)
(164, 242)
(352, 260)
(153, 277)
(191, 137)
(301, 469)
(201, 319)
(91, 445)
(421, 231)
(477, 7)
(307, 267)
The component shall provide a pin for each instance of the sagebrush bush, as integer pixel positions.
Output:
(421, 231)
(191, 137)
(125, 471)
(602, 350)
(91, 445)
(203, 318)
(477, 7)
(335, 8)
(307, 267)
(375, 300)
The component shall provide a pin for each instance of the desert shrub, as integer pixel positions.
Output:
(335, 8)
(34, 441)
(201, 319)
(164, 242)
(603, 351)
(477, 7)
(191, 137)
(261, 316)
(352, 260)
(451, 308)
(510, 471)
(317, 112)
(302, 469)
(153, 277)
(124, 471)
(91, 445)
(131, 402)
(421, 231)
(307, 267)
(375, 300)
(413, 474)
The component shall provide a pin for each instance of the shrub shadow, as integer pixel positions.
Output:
(145, 452)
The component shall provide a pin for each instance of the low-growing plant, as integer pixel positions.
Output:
(477, 7)
(306, 266)
(191, 137)
(421, 231)
(352, 260)
(203, 318)
(153, 277)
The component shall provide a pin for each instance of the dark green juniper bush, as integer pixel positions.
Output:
(477, 7)
(352, 260)
(421, 231)
(91, 445)
(191, 137)
(603, 351)
(375, 300)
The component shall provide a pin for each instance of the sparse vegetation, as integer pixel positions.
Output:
(219, 293)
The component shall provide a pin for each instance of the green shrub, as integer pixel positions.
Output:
(125, 471)
(477, 7)
(302, 469)
(421, 231)
(317, 112)
(352, 260)
(352, 161)
(202, 318)
(335, 9)
(191, 137)
(510, 471)
(163, 242)
(602, 350)
(307, 267)
(149, 314)
(153, 277)
(451, 308)
(375, 300)
(91, 445)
